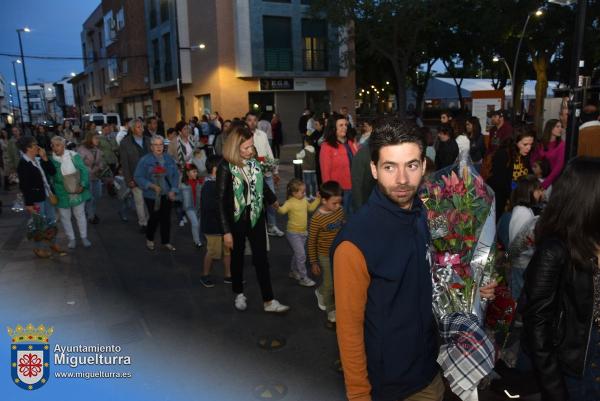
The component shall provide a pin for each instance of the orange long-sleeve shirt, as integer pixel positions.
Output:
(352, 280)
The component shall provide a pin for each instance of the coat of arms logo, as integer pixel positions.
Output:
(30, 355)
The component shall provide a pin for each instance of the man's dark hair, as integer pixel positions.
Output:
(522, 195)
(150, 119)
(329, 189)
(170, 131)
(587, 116)
(544, 166)
(25, 142)
(394, 132)
(251, 113)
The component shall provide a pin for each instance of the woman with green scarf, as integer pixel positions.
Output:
(242, 197)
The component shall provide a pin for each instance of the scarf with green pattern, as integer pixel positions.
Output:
(255, 186)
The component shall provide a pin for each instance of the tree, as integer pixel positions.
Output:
(391, 28)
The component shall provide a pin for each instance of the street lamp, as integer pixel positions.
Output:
(537, 13)
(497, 59)
(73, 74)
(16, 85)
(26, 29)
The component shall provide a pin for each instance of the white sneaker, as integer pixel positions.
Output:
(274, 231)
(276, 307)
(320, 303)
(181, 223)
(240, 302)
(331, 316)
(306, 282)
(295, 275)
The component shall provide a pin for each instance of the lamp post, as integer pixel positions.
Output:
(17, 87)
(537, 13)
(24, 72)
(497, 59)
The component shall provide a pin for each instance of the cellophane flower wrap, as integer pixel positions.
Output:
(462, 221)
(40, 228)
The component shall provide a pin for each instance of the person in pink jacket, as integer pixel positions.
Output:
(336, 157)
(552, 148)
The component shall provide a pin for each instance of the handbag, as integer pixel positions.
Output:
(53, 199)
(72, 182)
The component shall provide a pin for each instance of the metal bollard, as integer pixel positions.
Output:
(297, 168)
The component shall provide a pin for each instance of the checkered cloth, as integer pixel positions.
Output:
(466, 355)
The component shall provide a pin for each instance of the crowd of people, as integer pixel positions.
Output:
(355, 225)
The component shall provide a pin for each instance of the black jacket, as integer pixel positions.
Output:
(446, 153)
(225, 196)
(31, 182)
(557, 318)
(131, 153)
(209, 209)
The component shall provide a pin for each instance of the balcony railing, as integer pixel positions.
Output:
(278, 59)
(314, 60)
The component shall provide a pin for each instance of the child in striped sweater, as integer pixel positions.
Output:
(324, 226)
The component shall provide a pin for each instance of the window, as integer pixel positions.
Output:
(113, 70)
(153, 16)
(156, 57)
(164, 10)
(120, 19)
(85, 55)
(277, 36)
(109, 28)
(314, 45)
(92, 85)
(124, 67)
(168, 62)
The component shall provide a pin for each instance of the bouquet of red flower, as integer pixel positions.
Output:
(268, 164)
(158, 173)
(462, 221)
(459, 207)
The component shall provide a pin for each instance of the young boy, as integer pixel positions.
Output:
(324, 226)
(309, 168)
(211, 227)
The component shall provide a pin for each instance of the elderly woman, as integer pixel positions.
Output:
(34, 170)
(157, 175)
(92, 158)
(71, 185)
(242, 196)
(182, 149)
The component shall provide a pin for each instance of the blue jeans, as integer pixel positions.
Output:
(271, 217)
(517, 281)
(310, 181)
(587, 388)
(92, 204)
(194, 220)
(126, 205)
(47, 211)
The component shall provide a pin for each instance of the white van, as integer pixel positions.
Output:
(99, 119)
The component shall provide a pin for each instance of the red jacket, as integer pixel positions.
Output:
(335, 165)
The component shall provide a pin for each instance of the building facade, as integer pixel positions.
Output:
(37, 103)
(115, 77)
(239, 55)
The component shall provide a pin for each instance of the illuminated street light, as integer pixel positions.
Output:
(73, 74)
(13, 83)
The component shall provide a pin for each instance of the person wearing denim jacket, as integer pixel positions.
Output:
(159, 192)
(189, 191)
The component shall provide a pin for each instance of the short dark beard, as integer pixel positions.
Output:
(393, 200)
